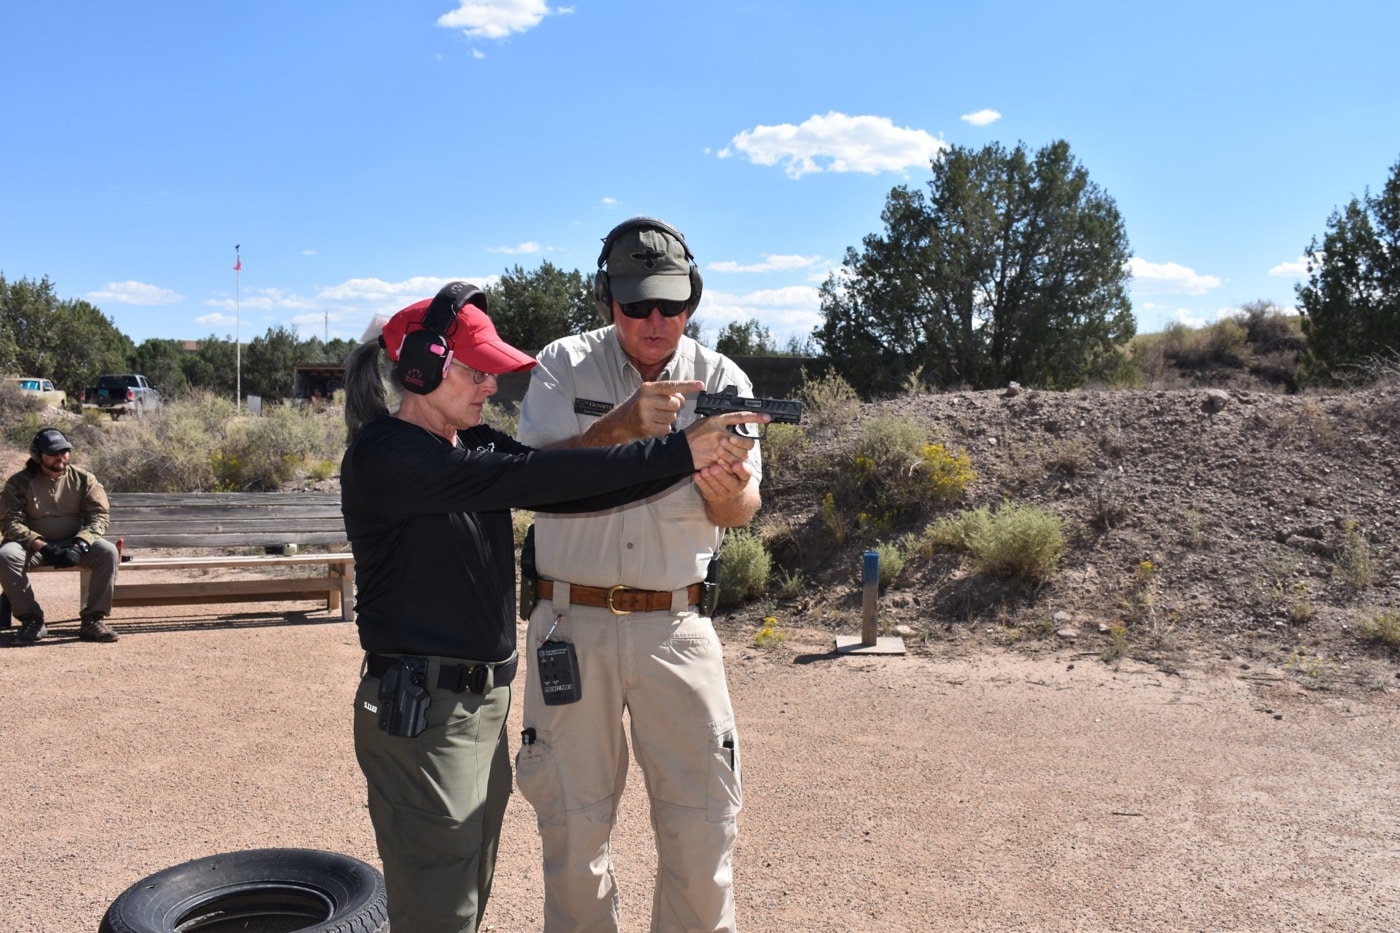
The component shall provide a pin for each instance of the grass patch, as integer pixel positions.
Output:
(1353, 563)
(1384, 629)
(1021, 541)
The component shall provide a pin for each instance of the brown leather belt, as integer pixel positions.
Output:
(619, 600)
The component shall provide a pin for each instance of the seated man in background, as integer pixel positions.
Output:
(53, 513)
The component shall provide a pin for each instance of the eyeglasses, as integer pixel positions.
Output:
(641, 310)
(477, 375)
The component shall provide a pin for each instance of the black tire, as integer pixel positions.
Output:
(319, 892)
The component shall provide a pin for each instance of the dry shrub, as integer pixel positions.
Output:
(22, 416)
(175, 450)
(895, 468)
(266, 452)
(744, 567)
(829, 399)
(202, 444)
(1021, 541)
(785, 448)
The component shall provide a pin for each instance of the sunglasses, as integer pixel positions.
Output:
(641, 310)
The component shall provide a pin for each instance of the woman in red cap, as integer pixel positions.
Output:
(426, 491)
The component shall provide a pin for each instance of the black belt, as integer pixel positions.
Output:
(454, 677)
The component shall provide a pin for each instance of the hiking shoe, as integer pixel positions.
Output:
(32, 630)
(96, 630)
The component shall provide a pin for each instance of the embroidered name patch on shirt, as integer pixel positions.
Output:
(586, 406)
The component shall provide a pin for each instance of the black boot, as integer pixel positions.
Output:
(32, 627)
(94, 629)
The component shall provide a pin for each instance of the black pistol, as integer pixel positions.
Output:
(783, 410)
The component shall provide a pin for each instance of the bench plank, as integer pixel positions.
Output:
(235, 519)
(266, 589)
(211, 521)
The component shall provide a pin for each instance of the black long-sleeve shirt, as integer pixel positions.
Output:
(429, 524)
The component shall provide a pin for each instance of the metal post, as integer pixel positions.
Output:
(870, 580)
(237, 328)
(869, 642)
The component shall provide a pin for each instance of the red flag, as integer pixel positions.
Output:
(238, 265)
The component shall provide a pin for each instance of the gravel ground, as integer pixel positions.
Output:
(973, 790)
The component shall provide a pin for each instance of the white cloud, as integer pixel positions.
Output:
(981, 117)
(793, 311)
(133, 293)
(498, 19)
(837, 143)
(1296, 269)
(610, 202)
(334, 306)
(527, 247)
(262, 299)
(398, 293)
(216, 320)
(377, 290)
(770, 263)
(478, 54)
(1168, 278)
(1195, 319)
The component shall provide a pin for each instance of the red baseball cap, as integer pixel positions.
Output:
(470, 336)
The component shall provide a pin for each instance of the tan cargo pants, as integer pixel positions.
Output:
(666, 670)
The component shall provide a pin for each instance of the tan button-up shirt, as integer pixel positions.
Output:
(661, 543)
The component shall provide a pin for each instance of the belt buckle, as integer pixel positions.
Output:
(612, 591)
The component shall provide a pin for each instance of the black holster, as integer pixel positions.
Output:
(404, 698)
(709, 590)
(528, 576)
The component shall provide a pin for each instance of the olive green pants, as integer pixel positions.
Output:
(437, 802)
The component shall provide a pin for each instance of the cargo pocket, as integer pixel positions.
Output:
(537, 776)
(725, 795)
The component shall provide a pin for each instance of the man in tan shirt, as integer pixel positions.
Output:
(55, 513)
(623, 587)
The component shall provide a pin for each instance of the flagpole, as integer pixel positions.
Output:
(237, 327)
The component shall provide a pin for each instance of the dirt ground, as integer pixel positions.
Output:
(944, 789)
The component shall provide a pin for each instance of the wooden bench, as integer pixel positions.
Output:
(217, 521)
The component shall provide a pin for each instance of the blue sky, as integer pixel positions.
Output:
(364, 153)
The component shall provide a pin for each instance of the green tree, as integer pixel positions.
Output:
(316, 350)
(67, 340)
(268, 363)
(1350, 304)
(748, 338)
(530, 309)
(212, 366)
(160, 359)
(1013, 268)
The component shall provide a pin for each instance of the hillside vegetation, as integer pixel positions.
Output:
(1212, 514)
(1229, 523)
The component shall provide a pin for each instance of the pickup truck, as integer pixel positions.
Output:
(123, 394)
(41, 389)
